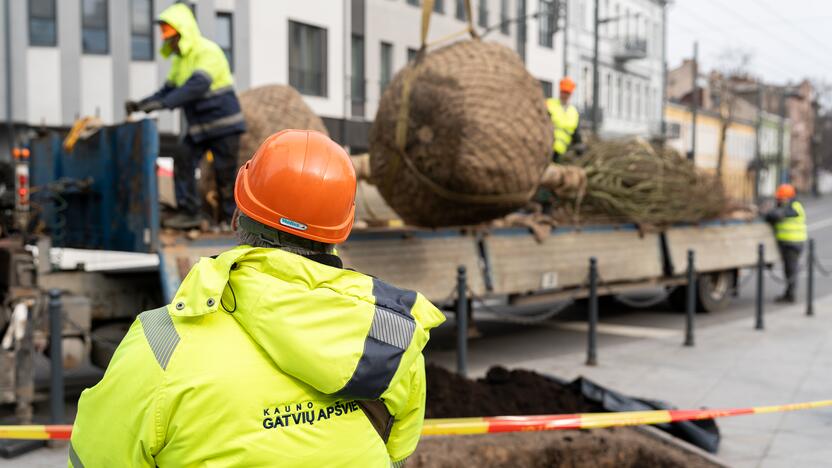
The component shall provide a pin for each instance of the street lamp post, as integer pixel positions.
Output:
(595, 78)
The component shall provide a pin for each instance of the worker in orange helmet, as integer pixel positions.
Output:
(270, 353)
(565, 119)
(789, 221)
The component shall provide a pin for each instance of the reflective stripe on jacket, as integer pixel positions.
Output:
(565, 122)
(792, 228)
(199, 80)
(272, 383)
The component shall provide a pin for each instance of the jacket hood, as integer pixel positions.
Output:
(339, 331)
(182, 19)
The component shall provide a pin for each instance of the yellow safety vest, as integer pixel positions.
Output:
(565, 122)
(792, 228)
(261, 360)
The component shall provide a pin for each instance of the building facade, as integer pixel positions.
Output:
(63, 59)
(631, 63)
(740, 145)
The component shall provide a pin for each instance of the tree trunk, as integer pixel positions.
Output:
(720, 160)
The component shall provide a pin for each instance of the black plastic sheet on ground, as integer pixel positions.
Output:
(703, 434)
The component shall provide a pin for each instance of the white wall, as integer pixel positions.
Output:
(143, 79)
(269, 27)
(43, 86)
(97, 86)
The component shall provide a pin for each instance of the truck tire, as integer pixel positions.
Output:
(713, 292)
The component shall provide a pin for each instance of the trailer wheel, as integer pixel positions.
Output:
(714, 292)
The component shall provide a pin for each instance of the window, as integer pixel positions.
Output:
(94, 27)
(628, 111)
(413, 2)
(619, 109)
(617, 22)
(225, 36)
(460, 10)
(307, 59)
(141, 29)
(637, 110)
(547, 88)
(386, 65)
(609, 92)
(439, 6)
(42, 24)
(411, 54)
(504, 19)
(587, 87)
(358, 78)
(546, 23)
(483, 14)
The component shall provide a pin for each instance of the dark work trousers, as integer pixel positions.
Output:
(225, 151)
(790, 252)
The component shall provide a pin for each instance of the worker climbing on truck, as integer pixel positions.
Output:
(271, 353)
(565, 119)
(200, 83)
(789, 221)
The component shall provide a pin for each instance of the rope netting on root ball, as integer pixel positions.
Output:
(461, 136)
(637, 182)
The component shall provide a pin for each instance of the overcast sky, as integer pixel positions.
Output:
(787, 39)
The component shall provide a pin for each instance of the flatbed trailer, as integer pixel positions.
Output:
(96, 212)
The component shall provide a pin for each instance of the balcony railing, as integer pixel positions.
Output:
(631, 49)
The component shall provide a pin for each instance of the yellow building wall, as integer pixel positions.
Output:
(739, 148)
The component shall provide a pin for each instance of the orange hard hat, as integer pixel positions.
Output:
(567, 85)
(168, 31)
(300, 182)
(785, 192)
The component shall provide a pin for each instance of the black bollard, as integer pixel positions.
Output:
(56, 360)
(690, 306)
(761, 266)
(592, 345)
(461, 322)
(810, 280)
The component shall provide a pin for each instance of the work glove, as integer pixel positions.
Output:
(130, 107)
(150, 106)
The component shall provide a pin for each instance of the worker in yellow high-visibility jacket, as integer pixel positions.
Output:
(270, 354)
(789, 221)
(565, 119)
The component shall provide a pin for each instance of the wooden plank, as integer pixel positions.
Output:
(424, 264)
(721, 247)
(520, 264)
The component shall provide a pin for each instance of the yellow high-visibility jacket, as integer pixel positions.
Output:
(565, 121)
(792, 227)
(260, 361)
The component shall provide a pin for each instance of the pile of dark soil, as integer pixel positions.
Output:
(519, 392)
(500, 393)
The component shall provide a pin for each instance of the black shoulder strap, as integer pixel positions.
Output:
(379, 417)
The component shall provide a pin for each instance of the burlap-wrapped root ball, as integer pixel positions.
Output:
(478, 136)
(270, 109)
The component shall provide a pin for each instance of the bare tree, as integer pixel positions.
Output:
(732, 69)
